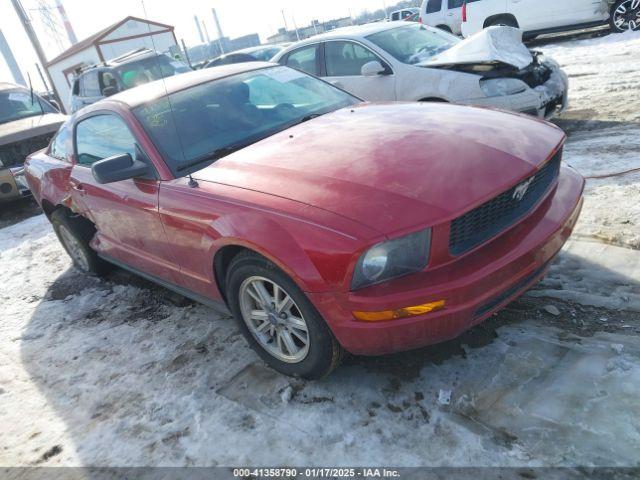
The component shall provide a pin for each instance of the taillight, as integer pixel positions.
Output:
(464, 12)
(420, 19)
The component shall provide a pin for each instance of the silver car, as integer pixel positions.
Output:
(412, 62)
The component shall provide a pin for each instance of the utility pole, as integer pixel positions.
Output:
(28, 28)
(6, 52)
(286, 28)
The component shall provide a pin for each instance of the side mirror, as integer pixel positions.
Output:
(109, 91)
(372, 69)
(118, 168)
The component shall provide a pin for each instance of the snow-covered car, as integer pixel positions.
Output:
(402, 61)
(548, 16)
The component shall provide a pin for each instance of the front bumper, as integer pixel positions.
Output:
(474, 286)
(544, 101)
(13, 184)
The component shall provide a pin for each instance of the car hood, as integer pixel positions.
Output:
(491, 45)
(393, 166)
(30, 127)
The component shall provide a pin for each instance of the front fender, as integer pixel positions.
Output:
(270, 239)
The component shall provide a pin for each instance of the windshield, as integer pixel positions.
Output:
(149, 69)
(413, 43)
(194, 127)
(17, 104)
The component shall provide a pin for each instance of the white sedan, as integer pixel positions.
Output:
(411, 62)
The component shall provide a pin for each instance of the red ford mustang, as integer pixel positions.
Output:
(324, 224)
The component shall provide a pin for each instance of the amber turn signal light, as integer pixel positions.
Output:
(405, 312)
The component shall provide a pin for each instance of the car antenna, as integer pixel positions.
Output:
(30, 86)
(192, 182)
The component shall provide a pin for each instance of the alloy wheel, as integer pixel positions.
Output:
(627, 15)
(274, 319)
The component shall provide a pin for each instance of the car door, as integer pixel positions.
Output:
(125, 213)
(434, 13)
(574, 12)
(536, 14)
(343, 62)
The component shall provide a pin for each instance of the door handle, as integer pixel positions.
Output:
(450, 14)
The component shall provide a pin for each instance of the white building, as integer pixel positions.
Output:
(122, 37)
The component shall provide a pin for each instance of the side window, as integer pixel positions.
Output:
(107, 80)
(103, 136)
(395, 16)
(89, 85)
(455, 3)
(60, 144)
(346, 58)
(76, 87)
(434, 6)
(305, 59)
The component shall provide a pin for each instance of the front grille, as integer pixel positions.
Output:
(493, 217)
(16, 153)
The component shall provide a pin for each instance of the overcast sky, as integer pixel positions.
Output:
(237, 18)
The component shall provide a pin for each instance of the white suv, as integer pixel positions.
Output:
(443, 14)
(536, 17)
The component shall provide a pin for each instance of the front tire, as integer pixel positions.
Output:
(278, 320)
(625, 15)
(75, 233)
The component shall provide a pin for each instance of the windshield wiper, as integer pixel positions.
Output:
(213, 156)
(306, 118)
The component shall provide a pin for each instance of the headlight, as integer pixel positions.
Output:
(497, 87)
(392, 259)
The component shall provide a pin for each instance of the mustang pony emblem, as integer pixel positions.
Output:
(522, 189)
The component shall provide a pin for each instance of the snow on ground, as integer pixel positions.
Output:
(118, 372)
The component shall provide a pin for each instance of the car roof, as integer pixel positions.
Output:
(148, 92)
(9, 86)
(358, 31)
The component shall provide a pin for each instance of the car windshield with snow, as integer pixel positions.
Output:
(323, 223)
(390, 61)
(413, 44)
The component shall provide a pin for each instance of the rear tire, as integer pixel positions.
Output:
(446, 28)
(502, 20)
(625, 15)
(75, 233)
(252, 283)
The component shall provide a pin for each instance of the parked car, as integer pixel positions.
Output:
(27, 123)
(263, 53)
(412, 62)
(403, 14)
(324, 224)
(443, 14)
(548, 16)
(127, 71)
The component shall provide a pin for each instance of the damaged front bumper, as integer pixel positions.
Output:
(543, 101)
(13, 184)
